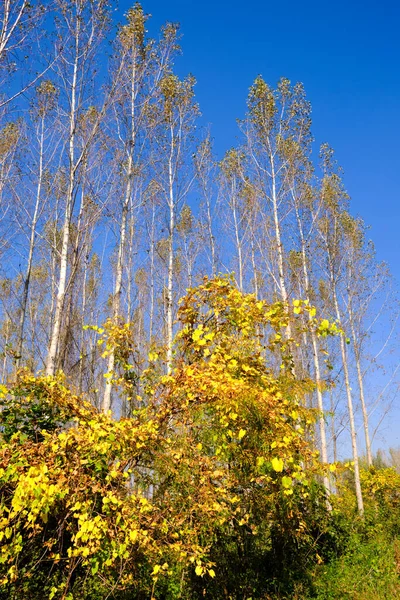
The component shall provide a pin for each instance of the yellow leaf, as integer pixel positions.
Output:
(211, 572)
(197, 333)
(133, 535)
(242, 433)
(199, 570)
(277, 464)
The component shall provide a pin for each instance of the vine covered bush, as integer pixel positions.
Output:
(211, 488)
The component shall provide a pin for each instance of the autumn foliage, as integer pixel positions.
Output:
(215, 461)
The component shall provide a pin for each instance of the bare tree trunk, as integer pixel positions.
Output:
(211, 238)
(333, 430)
(106, 405)
(170, 276)
(85, 25)
(205, 176)
(238, 240)
(5, 353)
(253, 262)
(130, 263)
(353, 432)
(314, 341)
(82, 351)
(278, 240)
(361, 389)
(152, 273)
(32, 240)
(51, 363)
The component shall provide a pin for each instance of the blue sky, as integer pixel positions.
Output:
(347, 55)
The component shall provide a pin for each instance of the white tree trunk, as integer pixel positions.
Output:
(353, 432)
(361, 389)
(106, 404)
(51, 363)
(170, 276)
(278, 241)
(238, 241)
(314, 341)
(32, 240)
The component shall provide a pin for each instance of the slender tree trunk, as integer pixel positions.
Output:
(331, 248)
(278, 241)
(5, 354)
(278, 238)
(106, 405)
(152, 273)
(170, 276)
(211, 238)
(255, 277)
(82, 351)
(62, 279)
(27, 278)
(361, 389)
(315, 354)
(353, 432)
(333, 430)
(238, 240)
(130, 262)
(82, 231)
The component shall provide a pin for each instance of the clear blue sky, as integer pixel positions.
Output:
(347, 54)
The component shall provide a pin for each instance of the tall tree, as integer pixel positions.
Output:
(177, 112)
(267, 121)
(44, 105)
(81, 27)
(295, 152)
(331, 230)
(129, 108)
(232, 186)
(206, 176)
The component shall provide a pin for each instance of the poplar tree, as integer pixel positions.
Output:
(43, 106)
(268, 121)
(80, 28)
(331, 225)
(129, 108)
(177, 113)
